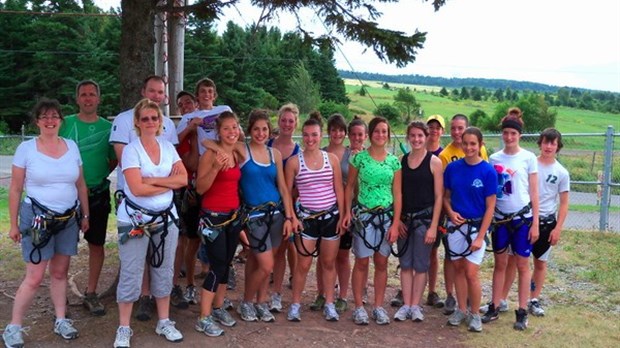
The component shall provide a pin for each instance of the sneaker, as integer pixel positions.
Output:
(403, 313)
(12, 336)
(341, 305)
(475, 323)
(330, 312)
(503, 307)
(227, 304)
(521, 323)
(416, 314)
(360, 316)
(491, 314)
(246, 311)
(168, 330)
(397, 301)
(145, 308)
(380, 316)
(207, 326)
(92, 303)
(177, 299)
(223, 317)
(535, 308)
(276, 303)
(263, 313)
(434, 300)
(191, 295)
(232, 279)
(318, 303)
(456, 318)
(64, 328)
(293, 312)
(449, 305)
(123, 337)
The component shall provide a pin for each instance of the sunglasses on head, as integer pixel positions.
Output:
(152, 118)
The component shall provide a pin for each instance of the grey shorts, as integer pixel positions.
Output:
(134, 255)
(64, 242)
(366, 242)
(264, 237)
(417, 256)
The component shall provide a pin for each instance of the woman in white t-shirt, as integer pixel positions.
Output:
(49, 168)
(516, 215)
(146, 221)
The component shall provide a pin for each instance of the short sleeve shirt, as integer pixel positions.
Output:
(375, 179)
(553, 179)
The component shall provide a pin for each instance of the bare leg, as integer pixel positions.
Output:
(359, 279)
(327, 258)
(540, 273)
(96, 255)
(381, 275)
(27, 290)
(343, 268)
(59, 267)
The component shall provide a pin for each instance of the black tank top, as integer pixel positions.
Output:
(418, 185)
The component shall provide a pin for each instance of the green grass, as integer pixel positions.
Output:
(591, 208)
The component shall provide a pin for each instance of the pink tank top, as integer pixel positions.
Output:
(316, 187)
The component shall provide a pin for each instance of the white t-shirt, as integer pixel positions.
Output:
(513, 179)
(206, 130)
(51, 181)
(134, 156)
(124, 132)
(553, 179)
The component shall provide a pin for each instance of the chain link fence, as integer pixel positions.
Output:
(592, 159)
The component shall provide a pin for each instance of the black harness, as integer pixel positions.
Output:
(149, 228)
(473, 226)
(209, 230)
(507, 219)
(360, 225)
(46, 224)
(308, 222)
(267, 212)
(407, 219)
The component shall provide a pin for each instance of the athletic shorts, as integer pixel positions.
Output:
(134, 254)
(65, 242)
(189, 212)
(515, 234)
(100, 208)
(324, 226)
(458, 245)
(263, 237)
(417, 255)
(371, 239)
(542, 248)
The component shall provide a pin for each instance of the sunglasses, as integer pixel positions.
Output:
(152, 118)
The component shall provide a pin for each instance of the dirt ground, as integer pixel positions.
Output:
(313, 330)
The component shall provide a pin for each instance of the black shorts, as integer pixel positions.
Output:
(542, 245)
(100, 208)
(346, 240)
(188, 213)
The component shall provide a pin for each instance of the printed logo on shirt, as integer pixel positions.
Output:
(504, 180)
(477, 183)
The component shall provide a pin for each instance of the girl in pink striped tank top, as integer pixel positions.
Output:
(317, 177)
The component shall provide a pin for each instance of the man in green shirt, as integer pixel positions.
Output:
(91, 133)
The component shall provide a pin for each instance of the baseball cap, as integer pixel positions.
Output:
(437, 118)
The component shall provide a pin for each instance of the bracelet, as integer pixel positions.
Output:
(85, 216)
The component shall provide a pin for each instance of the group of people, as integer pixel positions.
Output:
(198, 189)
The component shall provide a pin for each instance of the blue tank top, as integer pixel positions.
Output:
(258, 181)
(295, 151)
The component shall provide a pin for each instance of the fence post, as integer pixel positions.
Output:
(604, 214)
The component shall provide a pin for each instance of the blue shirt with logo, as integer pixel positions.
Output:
(469, 187)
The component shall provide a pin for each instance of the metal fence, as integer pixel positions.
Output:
(592, 159)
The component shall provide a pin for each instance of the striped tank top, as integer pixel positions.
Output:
(316, 187)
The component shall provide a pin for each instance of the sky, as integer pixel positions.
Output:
(571, 43)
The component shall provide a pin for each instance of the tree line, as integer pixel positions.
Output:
(48, 47)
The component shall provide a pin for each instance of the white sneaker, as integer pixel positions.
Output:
(168, 330)
(416, 314)
(123, 337)
(403, 313)
(276, 303)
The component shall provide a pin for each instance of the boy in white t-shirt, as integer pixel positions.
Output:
(553, 188)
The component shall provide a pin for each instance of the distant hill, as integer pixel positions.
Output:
(451, 83)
